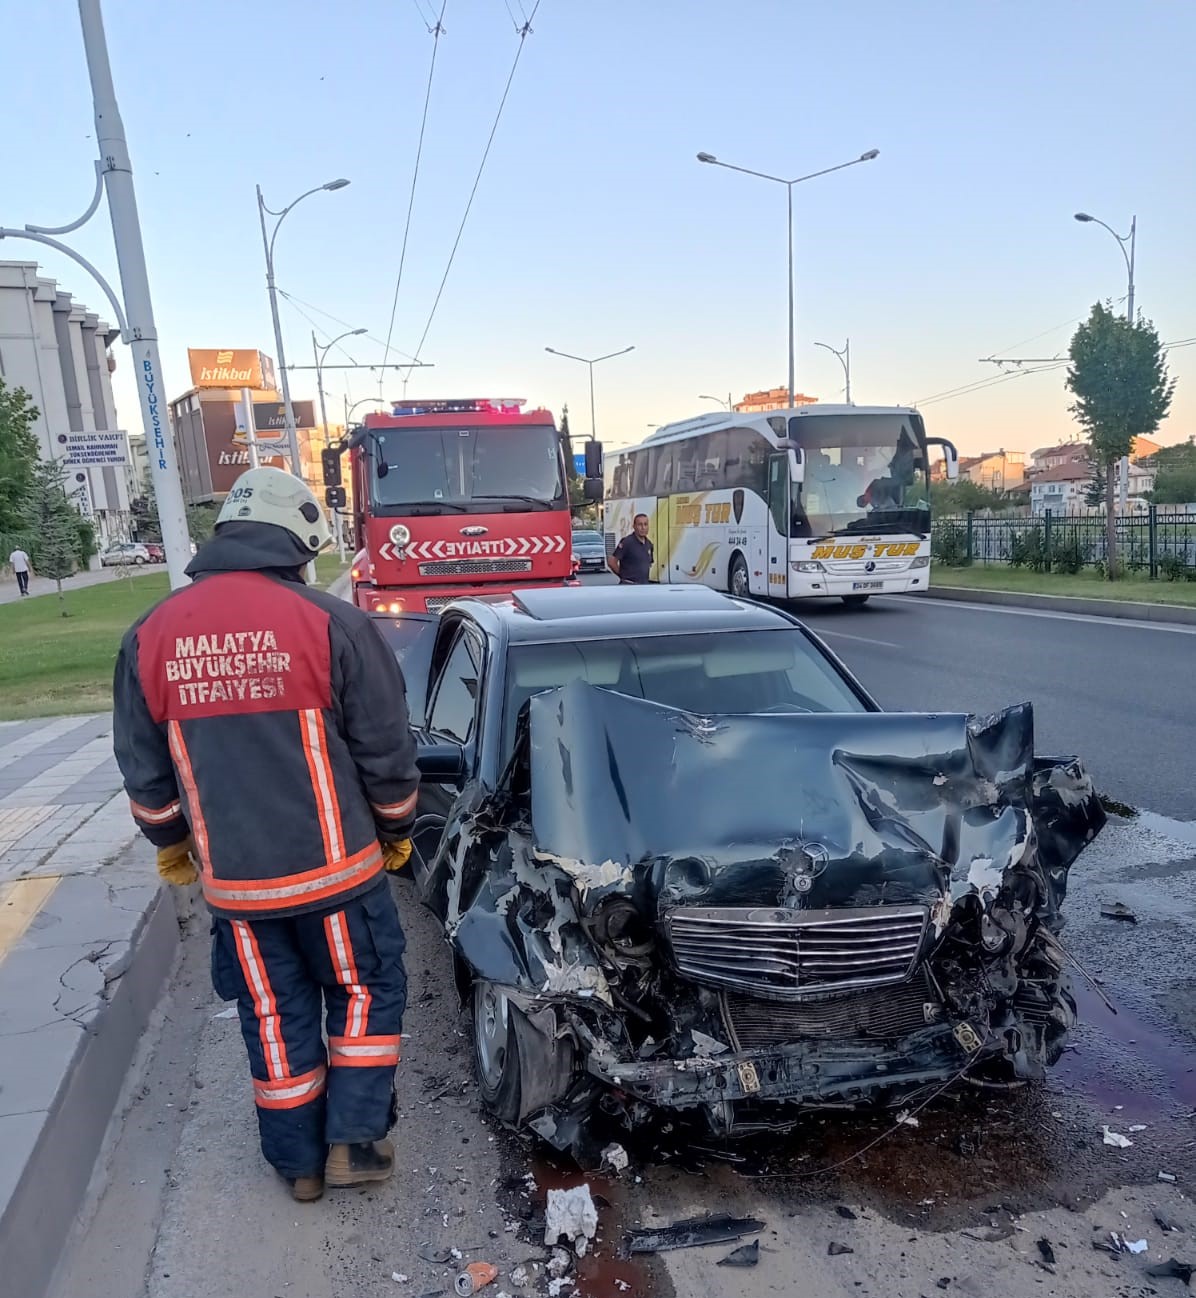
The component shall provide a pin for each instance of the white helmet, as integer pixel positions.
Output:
(274, 496)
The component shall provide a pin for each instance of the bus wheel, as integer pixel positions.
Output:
(737, 578)
(855, 601)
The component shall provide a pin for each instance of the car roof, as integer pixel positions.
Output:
(602, 612)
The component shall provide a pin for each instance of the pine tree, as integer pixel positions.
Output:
(18, 462)
(53, 523)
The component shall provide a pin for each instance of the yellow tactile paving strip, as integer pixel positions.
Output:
(20, 902)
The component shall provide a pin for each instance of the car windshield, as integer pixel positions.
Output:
(411, 637)
(587, 538)
(730, 671)
(862, 474)
(467, 470)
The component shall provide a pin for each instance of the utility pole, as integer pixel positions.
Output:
(142, 333)
(844, 360)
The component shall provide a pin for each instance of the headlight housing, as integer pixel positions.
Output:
(400, 534)
(922, 561)
(806, 565)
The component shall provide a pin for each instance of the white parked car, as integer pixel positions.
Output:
(125, 552)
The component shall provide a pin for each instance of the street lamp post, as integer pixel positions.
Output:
(591, 363)
(320, 353)
(780, 180)
(268, 247)
(1123, 474)
(844, 360)
(702, 396)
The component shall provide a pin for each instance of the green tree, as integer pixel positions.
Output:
(962, 495)
(18, 464)
(1122, 391)
(1094, 493)
(53, 524)
(1175, 474)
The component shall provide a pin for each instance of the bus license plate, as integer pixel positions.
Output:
(867, 585)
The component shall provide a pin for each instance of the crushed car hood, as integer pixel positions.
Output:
(801, 811)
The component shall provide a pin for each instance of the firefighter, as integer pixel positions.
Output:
(261, 728)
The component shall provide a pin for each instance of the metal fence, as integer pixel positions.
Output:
(1156, 542)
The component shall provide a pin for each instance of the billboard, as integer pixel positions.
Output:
(270, 420)
(211, 368)
(94, 449)
(228, 456)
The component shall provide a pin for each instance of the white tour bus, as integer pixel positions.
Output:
(795, 504)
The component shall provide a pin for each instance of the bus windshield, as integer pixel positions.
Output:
(467, 470)
(862, 474)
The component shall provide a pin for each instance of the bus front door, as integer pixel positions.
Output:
(778, 525)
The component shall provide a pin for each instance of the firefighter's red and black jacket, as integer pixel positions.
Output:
(268, 720)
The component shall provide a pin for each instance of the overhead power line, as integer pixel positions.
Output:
(524, 32)
(437, 30)
(298, 303)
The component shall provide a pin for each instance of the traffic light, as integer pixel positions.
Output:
(334, 497)
(330, 459)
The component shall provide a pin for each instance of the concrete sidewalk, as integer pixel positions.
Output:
(9, 594)
(87, 938)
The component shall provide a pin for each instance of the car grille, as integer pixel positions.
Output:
(472, 567)
(887, 1014)
(854, 567)
(783, 954)
(434, 603)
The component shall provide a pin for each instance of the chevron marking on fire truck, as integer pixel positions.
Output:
(506, 547)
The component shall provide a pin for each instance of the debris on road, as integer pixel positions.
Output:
(1048, 1253)
(693, 1233)
(1172, 1269)
(744, 1255)
(1168, 1177)
(906, 1119)
(571, 1215)
(1138, 1126)
(437, 1256)
(1165, 1223)
(477, 1275)
(845, 1212)
(399, 1278)
(1118, 910)
(615, 1157)
(560, 1263)
(1116, 1139)
(835, 1249)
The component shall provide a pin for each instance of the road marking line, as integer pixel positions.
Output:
(1058, 616)
(19, 905)
(863, 639)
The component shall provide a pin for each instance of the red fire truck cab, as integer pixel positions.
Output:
(459, 497)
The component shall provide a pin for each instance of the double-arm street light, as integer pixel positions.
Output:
(780, 180)
(268, 247)
(1122, 239)
(585, 360)
(844, 360)
(320, 353)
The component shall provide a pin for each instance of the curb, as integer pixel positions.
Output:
(50, 1153)
(1173, 614)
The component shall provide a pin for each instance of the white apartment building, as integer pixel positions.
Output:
(57, 350)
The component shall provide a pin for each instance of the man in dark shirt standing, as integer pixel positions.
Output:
(633, 556)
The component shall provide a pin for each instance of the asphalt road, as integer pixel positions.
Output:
(185, 1208)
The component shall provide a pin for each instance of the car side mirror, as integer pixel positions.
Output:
(593, 489)
(593, 459)
(440, 762)
(950, 456)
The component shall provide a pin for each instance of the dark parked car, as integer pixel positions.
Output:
(590, 549)
(684, 861)
(156, 552)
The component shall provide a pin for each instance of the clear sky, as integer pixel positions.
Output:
(594, 227)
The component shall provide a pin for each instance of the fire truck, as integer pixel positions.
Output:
(456, 497)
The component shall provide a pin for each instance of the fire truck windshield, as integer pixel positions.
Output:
(467, 469)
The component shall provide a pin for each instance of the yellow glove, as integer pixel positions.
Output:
(175, 863)
(396, 855)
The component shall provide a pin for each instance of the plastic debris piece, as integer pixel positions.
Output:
(1168, 1177)
(398, 1277)
(615, 1156)
(560, 1263)
(845, 1212)
(1048, 1253)
(1135, 1245)
(1102, 1247)
(1138, 1126)
(437, 1256)
(944, 1282)
(477, 1275)
(1118, 910)
(706, 1047)
(907, 1119)
(520, 1277)
(571, 1215)
(555, 1286)
(1165, 1223)
(835, 1249)
(744, 1255)
(230, 1013)
(1172, 1269)
(1116, 1139)
(622, 1286)
(456, 1254)
(694, 1232)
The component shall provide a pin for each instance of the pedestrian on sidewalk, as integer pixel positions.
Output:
(261, 727)
(632, 559)
(18, 561)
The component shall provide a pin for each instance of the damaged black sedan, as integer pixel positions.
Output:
(684, 862)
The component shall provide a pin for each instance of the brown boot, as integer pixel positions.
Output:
(306, 1189)
(360, 1164)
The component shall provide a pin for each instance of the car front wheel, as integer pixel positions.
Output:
(495, 1051)
(737, 579)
